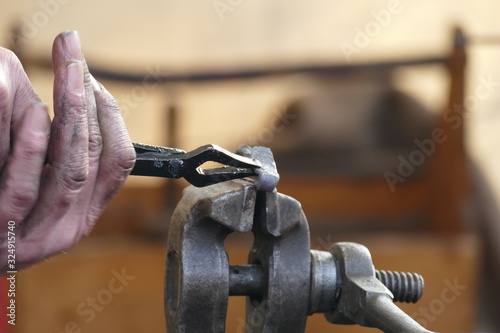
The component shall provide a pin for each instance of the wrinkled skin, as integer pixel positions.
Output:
(57, 176)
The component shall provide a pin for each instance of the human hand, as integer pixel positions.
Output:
(57, 176)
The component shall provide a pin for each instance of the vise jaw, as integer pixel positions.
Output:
(199, 279)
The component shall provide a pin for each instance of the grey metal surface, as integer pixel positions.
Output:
(282, 247)
(198, 273)
(325, 282)
(284, 280)
(363, 299)
(197, 277)
(405, 287)
(268, 176)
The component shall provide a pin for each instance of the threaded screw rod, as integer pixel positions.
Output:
(406, 287)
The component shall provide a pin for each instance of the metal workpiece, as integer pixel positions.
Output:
(267, 175)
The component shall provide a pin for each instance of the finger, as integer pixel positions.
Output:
(67, 47)
(118, 154)
(68, 147)
(21, 179)
(66, 171)
(16, 95)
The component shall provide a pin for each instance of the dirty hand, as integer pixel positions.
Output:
(56, 176)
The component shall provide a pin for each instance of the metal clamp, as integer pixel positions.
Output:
(284, 281)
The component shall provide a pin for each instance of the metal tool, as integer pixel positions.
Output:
(284, 280)
(165, 162)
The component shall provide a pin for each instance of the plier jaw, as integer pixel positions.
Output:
(166, 162)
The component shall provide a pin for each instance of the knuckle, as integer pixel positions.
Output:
(72, 111)
(73, 180)
(34, 145)
(126, 158)
(95, 141)
(18, 202)
(74, 107)
(22, 198)
(121, 158)
(116, 170)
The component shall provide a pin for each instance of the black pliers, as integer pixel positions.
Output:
(165, 162)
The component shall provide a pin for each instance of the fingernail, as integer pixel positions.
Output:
(71, 45)
(39, 118)
(75, 77)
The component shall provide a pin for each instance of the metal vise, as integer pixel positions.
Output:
(284, 280)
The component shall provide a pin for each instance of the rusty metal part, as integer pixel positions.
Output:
(165, 162)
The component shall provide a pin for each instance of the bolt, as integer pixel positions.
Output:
(406, 287)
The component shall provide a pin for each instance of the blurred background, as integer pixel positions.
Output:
(378, 125)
